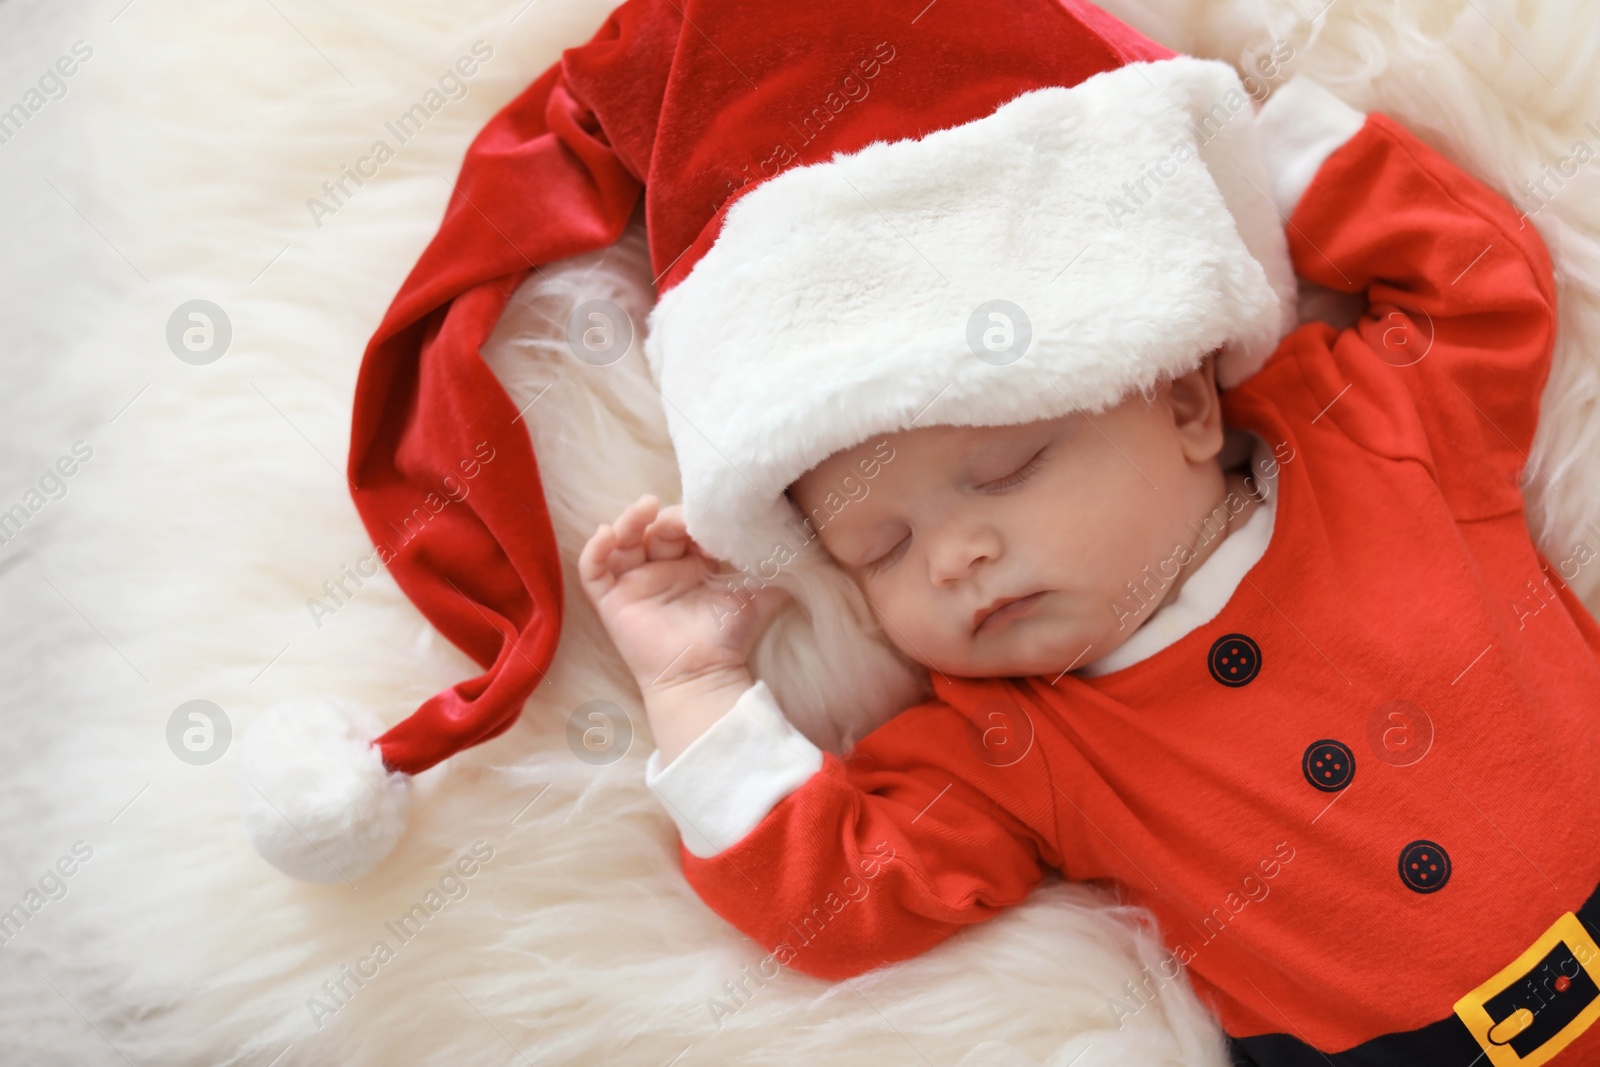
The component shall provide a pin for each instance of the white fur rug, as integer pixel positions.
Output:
(175, 563)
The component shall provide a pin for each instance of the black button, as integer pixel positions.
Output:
(1234, 659)
(1328, 765)
(1424, 866)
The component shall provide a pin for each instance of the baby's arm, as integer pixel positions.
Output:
(866, 860)
(1448, 363)
(835, 865)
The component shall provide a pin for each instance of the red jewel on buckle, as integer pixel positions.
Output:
(1563, 983)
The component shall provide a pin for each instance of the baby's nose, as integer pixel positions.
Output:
(957, 555)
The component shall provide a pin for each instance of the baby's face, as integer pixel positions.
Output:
(1063, 512)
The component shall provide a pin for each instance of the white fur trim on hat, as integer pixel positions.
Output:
(1129, 217)
(317, 801)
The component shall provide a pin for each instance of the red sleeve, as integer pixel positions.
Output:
(1449, 360)
(881, 855)
(441, 466)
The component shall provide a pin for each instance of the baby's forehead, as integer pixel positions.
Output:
(936, 438)
(922, 444)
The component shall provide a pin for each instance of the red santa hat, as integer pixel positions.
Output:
(863, 218)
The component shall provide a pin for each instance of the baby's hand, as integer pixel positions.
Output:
(663, 602)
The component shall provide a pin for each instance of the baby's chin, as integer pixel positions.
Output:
(1050, 649)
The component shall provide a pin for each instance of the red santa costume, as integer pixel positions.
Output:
(1350, 769)
(1353, 768)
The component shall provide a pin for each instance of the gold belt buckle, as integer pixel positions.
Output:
(1540, 1001)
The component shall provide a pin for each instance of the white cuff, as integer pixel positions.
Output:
(729, 777)
(1300, 126)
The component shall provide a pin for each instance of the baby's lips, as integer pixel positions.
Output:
(982, 615)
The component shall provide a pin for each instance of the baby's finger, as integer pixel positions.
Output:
(667, 538)
(594, 569)
(631, 524)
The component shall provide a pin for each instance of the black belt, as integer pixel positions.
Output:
(1525, 1014)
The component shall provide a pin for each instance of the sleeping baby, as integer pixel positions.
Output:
(1279, 661)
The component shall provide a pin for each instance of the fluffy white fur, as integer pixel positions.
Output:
(316, 799)
(178, 564)
(1128, 217)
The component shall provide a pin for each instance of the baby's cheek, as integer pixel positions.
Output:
(1136, 516)
(918, 628)
(901, 612)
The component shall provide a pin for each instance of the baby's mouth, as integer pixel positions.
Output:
(1002, 611)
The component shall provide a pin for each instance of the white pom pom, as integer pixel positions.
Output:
(317, 801)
